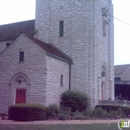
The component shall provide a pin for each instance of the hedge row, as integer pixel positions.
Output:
(27, 112)
(108, 108)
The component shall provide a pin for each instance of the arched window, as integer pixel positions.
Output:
(20, 79)
(103, 71)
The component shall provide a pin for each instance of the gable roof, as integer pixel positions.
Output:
(119, 70)
(51, 49)
(13, 30)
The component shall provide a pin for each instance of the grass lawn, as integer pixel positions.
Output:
(61, 127)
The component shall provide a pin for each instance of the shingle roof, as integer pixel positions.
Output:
(13, 30)
(121, 69)
(50, 49)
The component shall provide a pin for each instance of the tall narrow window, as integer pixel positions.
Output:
(61, 80)
(61, 28)
(21, 56)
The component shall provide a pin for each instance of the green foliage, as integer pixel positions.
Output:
(79, 117)
(52, 111)
(124, 116)
(119, 112)
(100, 113)
(108, 108)
(112, 114)
(27, 112)
(88, 112)
(75, 100)
(62, 117)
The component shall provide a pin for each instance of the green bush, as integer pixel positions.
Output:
(112, 114)
(62, 117)
(88, 112)
(75, 100)
(119, 112)
(96, 113)
(124, 116)
(78, 113)
(79, 117)
(52, 111)
(108, 108)
(100, 113)
(27, 112)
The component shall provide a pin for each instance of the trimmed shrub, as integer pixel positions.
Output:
(78, 113)
(62, 117)
(27, 112)
(108, 108)
(52, 111)
(75, 100)
(79, 117)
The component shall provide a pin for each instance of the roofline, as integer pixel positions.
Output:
(57, 57)
(14, 23)
(126, 70)
(117, 76)
(60, 51)
(122, 82)
(122, 64)
(18, 36)
(7, 40)
(17, 22)
(123, 71)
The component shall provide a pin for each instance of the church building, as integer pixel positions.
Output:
(69, 46)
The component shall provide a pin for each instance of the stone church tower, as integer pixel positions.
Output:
(83, 29)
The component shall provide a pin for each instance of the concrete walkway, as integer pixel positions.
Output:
(60, 122)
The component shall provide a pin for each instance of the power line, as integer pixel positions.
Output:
(108, 14)
(120, 20)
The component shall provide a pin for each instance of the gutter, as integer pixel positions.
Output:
(57, 57)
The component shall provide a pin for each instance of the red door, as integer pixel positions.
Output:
(102, 90)
(20, 96)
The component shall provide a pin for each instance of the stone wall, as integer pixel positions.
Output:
(33, 68)
(56, 68)
(83, 41)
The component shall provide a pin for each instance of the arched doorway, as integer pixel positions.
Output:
(20, 94)
(19, 88)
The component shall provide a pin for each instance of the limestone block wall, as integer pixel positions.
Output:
(104, 48)
(76, 17)
(83, 40)
(54, 90)
(33, 67)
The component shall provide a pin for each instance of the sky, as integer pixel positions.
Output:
(21, 10)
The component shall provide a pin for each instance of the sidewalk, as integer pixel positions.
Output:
(61, 122)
